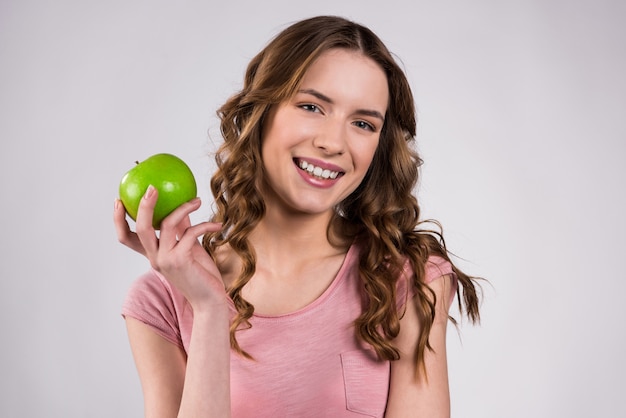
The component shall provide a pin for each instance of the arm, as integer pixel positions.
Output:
(411, 395)
(174, 384)
(161, 368)
(207, 380)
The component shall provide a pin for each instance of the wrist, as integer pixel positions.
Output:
(213, 310)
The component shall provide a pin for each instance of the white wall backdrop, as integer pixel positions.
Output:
(521, 108)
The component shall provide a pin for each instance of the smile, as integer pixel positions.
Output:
(313, 170)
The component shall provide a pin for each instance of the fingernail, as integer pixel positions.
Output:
(149, 192)
(116, 204)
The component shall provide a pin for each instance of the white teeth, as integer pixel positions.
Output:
(317, 171)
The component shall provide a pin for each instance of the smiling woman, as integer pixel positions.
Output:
(316, 290)
(323, 128)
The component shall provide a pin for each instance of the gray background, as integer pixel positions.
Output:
(521, 107)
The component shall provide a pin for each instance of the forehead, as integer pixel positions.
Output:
(348, 74)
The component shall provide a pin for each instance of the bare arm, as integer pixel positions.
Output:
(161, 368)
(410, 395)
(207, 382)
(197, 384)
(175, 384)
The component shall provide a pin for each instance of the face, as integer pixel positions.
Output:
(318, 145)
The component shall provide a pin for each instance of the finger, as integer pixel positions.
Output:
(174, 224)
(185, 223)
(182, 227)
(190, 237)
(145, 213)
(122, 229)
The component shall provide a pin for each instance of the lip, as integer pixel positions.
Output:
(316, 181)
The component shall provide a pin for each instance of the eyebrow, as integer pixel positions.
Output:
(323, 97)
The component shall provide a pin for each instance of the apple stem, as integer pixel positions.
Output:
(137, 162)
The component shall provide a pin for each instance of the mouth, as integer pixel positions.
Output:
(317, 171)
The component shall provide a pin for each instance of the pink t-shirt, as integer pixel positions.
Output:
(307, 363)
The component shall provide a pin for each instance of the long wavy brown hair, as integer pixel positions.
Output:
(382, 214)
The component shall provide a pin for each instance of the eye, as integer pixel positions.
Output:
(364, 125)
(310, 107)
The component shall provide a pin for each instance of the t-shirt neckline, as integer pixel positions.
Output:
(341, 273)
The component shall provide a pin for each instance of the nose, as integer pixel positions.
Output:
(331, 138)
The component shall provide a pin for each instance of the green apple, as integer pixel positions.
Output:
(171, 177)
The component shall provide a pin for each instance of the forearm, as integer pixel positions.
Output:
(206, 390)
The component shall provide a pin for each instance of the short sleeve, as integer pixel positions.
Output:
(150, 300)
(435, 268)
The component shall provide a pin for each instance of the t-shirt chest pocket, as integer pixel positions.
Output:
(366, 381)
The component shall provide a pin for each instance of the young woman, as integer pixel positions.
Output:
(316, 291)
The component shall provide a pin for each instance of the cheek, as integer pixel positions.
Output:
(366, 156)
(280, 136)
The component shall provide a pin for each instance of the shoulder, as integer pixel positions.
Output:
(149, 287)
(151, 300)
(438, 273)
(436, 267)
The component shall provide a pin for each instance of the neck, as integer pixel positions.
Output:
(299, 235)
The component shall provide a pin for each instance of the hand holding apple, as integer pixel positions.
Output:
(174, 252)
(168, 174)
